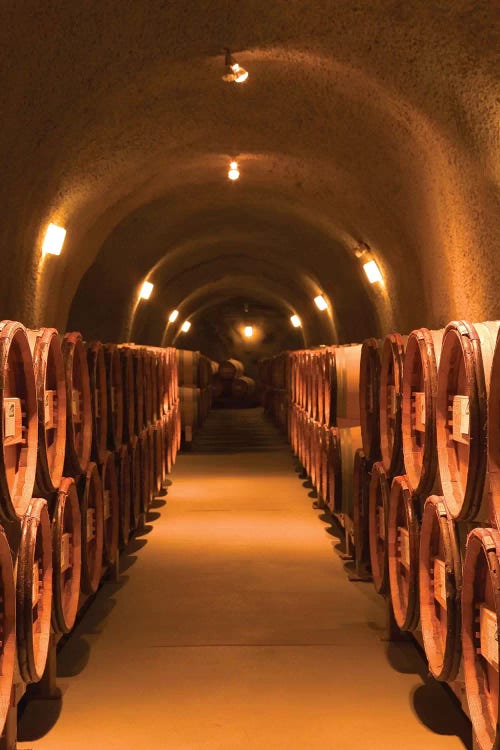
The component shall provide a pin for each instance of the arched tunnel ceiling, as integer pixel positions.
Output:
(367, 122)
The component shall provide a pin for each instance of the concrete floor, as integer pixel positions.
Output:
(234, 626)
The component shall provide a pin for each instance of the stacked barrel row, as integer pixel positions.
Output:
(231, 387)
(89, 432)
(195, 373)
(426, 493)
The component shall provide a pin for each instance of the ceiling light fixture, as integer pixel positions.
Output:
(54, 240)
(295, 321)
(234, 72)
(173, 316)
(320, 302)
(186, 326)
(248, 332)
(146, 290)
(373, 272)
(234, 172)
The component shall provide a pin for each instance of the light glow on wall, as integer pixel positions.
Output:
(320, 302)
(173, 316)
(295, 321)
(186, 326)
(54, 240)
(372, 271)
(248, 331)
(234, 172)
(146, 290)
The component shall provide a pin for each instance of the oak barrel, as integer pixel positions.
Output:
(115, 396)
(78, 406)
(7, 627)
(99, 399)
(187, 367)
(391, 387)
(111, 508)
(229, 369)
(128, 386)
(347, 364)
(135, 482)
(138, 389)
(92, 516)
(361, 498)
(369, 395)
(494, 437)
(378, 510)
(146, 489)
(243, 387)
(34, 591)
(124, 475)
(403, 539)
(67, 556)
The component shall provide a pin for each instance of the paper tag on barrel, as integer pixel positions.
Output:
(107, 503)
(419, 400)
(12, 418)
(35, 593)
(49, 408)
(65, 552)
(440, 581)
(489, 635)
(461, 419)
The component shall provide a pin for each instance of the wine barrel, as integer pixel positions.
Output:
(153, 364)
(243, 387)
(348, 441)
(440, 576)
(148, 387)
(92, 515)
(175, 376)
(7, 627)
(124, 477)
(160, 366)
(78, 406)
(167, 442)
(111, 508)
(189, 399)
(494, 437)
(378, 510)
(99, 399)
(128, 392)
(18, 402)
(115, 397)
(403, 539)
(391, 385)
(34, 591)
(204, 372)
(369, 394)
(157, 452)
(347, 367)
(67, 556)
(135, 482)
(146, 489)
(480, 634)
(138, 390)
(230, 368)
(187, 365)
(361, 497)
(330, 387)
(51, 397)
(462, 419)
(423, 350)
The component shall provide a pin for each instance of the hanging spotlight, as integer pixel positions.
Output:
(54, 240)
(173, 316)
(146, 290)
(235, 73)
(320, 302)
(248, 331)
(372, 271)
(295, 320)
(186, 326)
(234, 172)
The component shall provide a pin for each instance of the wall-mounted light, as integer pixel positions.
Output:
(234, 72)
(173, 316)
(372, 271)
(186, 326)
(146, 290)
(234, 172)
(295, 321)
(248, 331)
(320, 302)
(54, 240)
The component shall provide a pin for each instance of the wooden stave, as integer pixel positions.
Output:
(64, 612)
(109, 481)
(482, 544)
(135, 482)
(7, 628)
(361, 496)
(443, 659)
(115, 396)
(145, 471)
(90, 487)
(158, 466)
(391, 443)
(464, 503)
(99, 400)
(138, 390)
(187, 367)
(347, 369)
(403, 506)
(148, 387)
(128, 389)
(77, 457)
(14, 342)
(32, 650)
(46, 347)
(494, 437)
(378, 496)
(369, 395)
(124, 476)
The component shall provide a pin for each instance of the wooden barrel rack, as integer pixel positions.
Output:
(391, 384)
(67, 556)
(78, 406)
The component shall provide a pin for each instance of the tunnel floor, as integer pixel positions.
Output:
(234, 626)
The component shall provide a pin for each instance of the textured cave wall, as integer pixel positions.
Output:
(373, 122)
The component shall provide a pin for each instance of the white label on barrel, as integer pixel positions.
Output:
(489, 635)
(188, 433)
(65, 552)
(11, 415)
(461, 419)
(381, 522)
(404, 546)
(49, 407)
(75, 403)
(90, 523)
(440, 582)
(35, 593)
(107, 504)
(419, 411)
(393, 402)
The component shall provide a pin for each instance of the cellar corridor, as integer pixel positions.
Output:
(236, 626)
